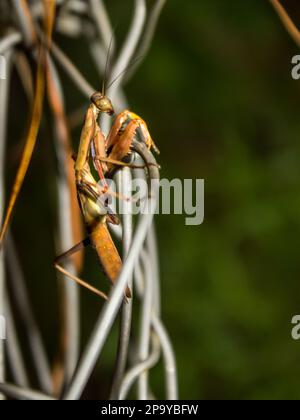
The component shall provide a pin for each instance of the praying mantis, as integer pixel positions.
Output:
(107, 155)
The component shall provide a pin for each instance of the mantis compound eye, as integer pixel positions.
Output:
(103, 103)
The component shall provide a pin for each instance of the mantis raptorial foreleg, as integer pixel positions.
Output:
(138, 122)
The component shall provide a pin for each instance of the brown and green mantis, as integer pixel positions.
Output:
(107, 155)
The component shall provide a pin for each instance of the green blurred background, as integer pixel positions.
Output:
(217, 93)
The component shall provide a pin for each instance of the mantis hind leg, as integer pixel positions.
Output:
(80, 282)
(123, 164)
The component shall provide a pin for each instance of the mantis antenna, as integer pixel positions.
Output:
(124, 71)
(107, 62)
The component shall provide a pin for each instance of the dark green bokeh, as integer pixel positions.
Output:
(217, 93)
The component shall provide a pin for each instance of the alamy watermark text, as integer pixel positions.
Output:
(179, 197)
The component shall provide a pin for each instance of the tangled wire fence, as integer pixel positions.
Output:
(89, 19)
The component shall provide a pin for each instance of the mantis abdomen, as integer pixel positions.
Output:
(107, 252)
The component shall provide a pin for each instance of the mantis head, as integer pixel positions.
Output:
(103, 103)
